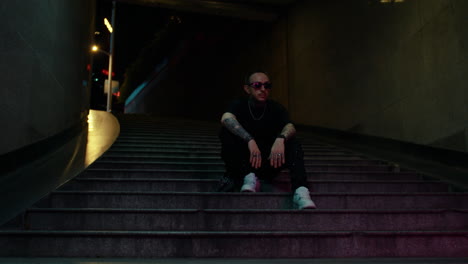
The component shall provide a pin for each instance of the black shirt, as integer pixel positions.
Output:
(263, 123)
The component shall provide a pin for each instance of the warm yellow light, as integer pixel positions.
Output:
(95, 48)
(108, 25)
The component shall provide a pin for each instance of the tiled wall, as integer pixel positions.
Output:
(44, 51)
(397, 70)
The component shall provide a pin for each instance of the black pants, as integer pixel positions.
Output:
(236, 156)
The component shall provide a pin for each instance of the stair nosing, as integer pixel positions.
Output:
(232, 233)
(252, 211)
(275, 181)
(259, 194)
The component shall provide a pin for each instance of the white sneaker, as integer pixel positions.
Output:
(302, 199)
(251, 183)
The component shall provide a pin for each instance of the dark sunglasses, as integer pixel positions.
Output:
(258, 85)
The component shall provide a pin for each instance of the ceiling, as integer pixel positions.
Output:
(260, 10)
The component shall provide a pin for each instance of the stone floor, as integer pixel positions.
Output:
(234, 261)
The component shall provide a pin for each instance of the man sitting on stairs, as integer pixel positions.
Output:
(258, 139)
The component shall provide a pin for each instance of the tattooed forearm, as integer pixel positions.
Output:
(288, 131)
(233, 125)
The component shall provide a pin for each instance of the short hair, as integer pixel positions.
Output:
(247, 76)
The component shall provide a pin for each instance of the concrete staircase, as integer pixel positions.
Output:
(151, 196)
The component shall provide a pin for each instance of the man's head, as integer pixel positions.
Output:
(258, 86)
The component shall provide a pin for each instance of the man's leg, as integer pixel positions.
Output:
(235, 155)
(295, 164)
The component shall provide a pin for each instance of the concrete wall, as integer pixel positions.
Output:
(395, 70)
(44, 52)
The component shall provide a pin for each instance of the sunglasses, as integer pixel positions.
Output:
(258, 85)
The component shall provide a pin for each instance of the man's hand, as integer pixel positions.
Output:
(277, 158)
(255, 154)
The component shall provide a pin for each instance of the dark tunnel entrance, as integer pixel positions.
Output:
(184, 61)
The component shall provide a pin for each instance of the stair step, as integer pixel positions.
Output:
(188, 140)
(171, 159)
(163, 140)
(156, 149)
(196, 148)
(149, 173)
(208, 185)
(216, 174)
(140, 244)
(220, 166)
(174, 134)
(160, 158)
(242, 220)
(144, 147)
(181, 154)
(192, 200)
(170, 149)
(203, 152)
(154, 142)
(164, 151)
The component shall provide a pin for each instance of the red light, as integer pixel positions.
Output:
(117, 94)
(106, 72)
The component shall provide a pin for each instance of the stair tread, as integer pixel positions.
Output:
(278, 180)
(255, 211)
(220, 162)
(219, 170)
(199, 260)
(233, 233)
(464, 194)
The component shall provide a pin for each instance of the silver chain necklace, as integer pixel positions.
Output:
(251, 113)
